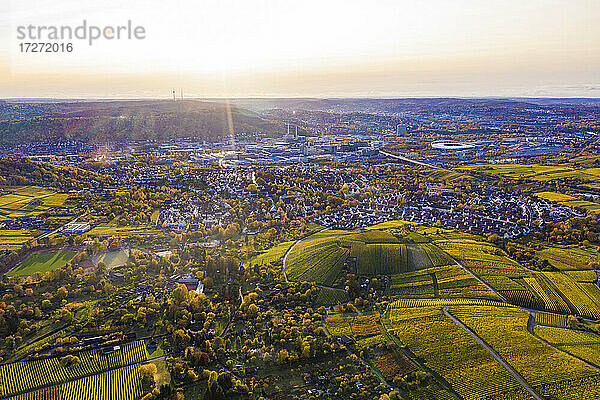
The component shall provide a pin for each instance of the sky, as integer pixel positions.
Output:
(309, 48)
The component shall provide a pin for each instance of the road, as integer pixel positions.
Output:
(61, 228)
(408, 160)
(506, 366)
(502, 298)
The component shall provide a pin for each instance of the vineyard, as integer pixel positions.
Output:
(393, 364)
(551, 299)
(320, 262)
(505, 329)
(272, 256)
(121, 384)
(568, 258)
(366, 325)
(585, 305)
(437, 256)
(380, 259)
(338, 326)
(451, 352)
(330, 296)
(584, 345)
(412, 285)
(357, 326)
(523, 298)
(373, 237)
(25, 376)
(409, 303)
(454, 281)
(556, 320)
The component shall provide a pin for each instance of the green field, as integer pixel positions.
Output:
(42, 262)
(112, 258)
(554, 196)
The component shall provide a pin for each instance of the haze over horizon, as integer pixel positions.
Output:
(263, 48)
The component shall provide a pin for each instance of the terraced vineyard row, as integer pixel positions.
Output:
(25, 376)
(547, 319)
(552, 300)
(330, 296)
(438, 257)
(319, 263)
(523, 298)
(410, 303)
(376, 259)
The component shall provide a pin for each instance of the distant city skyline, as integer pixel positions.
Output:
(335, 48)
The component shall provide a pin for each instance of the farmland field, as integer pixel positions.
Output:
(42, 262)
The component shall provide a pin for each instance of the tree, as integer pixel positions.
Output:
(62, 292)
(180, 294)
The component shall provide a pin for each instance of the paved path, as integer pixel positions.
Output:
(506, 366)
(502, 298)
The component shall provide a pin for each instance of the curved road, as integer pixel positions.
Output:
(294, 245)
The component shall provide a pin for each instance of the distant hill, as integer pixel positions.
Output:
(422, 105)
(109, 121)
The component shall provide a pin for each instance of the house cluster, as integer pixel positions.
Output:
(27, 222)
(482, 211)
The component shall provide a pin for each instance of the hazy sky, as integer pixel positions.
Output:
(310, 48)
